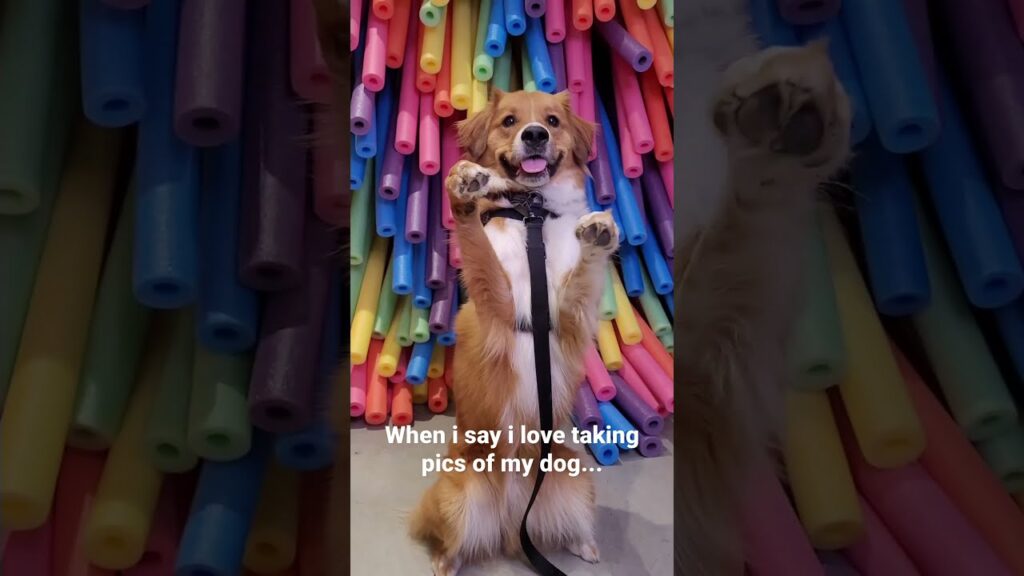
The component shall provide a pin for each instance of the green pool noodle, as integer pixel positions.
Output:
(817, 354)
(1004, 454)
(405, 322)
(362, 219)
(385, 305)
(31, 34)
(483, 63)
(218, 416)
(420, 325)
(355, 283)
(501, 77)
(653, 310)
(608, 308)
(430, 14)
(668, 340)
(117, 336)
(167, 429)
(970, 380)
(22, 237)
(529, 84)
(667, 10)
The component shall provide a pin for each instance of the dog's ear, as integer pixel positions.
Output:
(582, 132)
(473, 130)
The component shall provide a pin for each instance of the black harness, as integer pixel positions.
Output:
(532, 213)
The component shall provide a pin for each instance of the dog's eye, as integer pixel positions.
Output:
(508, 121)
(553, 121)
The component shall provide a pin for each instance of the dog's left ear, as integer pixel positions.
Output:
(473, 130)
(582, 132)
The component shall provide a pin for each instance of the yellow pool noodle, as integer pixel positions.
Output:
(819, 476)
(480, 95)
(436, 368)
(439, 3)
(625, 321)
(432, 52)
(608, 345)
(645, 4)
(881, 413)
(387, 362)
(366, 306)
(43, 382)
(118, 525)
(271, 545)
(462, 54)
(419, 394)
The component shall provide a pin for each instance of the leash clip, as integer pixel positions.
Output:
(535, 209)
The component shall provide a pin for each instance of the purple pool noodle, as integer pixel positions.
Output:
(990, 60)
(441, 308)
(211, 58)
(659, 211)
(920, 28)
(650, 446)
(284, 370)
(361, 113)
(805, 13)
(604, 184)
(645, 418)
(418, 204)
(390, 185)
(535, 8)
(625, 45)
(557, 53)
(437, 257)
(274, 202)
(585, 407)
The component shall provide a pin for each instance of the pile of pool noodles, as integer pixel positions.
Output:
(903, 447)
(419, 68)
(172, 304)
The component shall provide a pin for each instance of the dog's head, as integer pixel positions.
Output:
(527, 136)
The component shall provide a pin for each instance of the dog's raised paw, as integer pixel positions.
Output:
(598, 229)
(468, 180)
(586, 550)
(444, 566)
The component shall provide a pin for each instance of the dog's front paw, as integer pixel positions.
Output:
(467, 182)
(444, 566)
(597, 230)
(588, 551)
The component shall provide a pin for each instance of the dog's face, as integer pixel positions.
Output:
(527, 136)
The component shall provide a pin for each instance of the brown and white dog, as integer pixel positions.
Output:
(521, 141)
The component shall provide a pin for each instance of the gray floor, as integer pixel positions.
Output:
(634, 511)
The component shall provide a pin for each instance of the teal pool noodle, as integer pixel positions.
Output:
(968, 214)
(889, 231)
(970, 380)
(817, 352)
(1004, 454)
(846, 70)
(893, 74)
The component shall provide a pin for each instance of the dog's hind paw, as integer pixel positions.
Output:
(587, 551)
(444, 566)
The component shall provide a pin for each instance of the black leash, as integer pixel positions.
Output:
(533, 214)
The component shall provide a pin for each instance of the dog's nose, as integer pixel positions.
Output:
(535, 135)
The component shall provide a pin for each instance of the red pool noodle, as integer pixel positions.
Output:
(654, 346)
(582, 14)
(633, 18)
(632, 163)
(162, 543)
(633, 380)
(877, 552)
(403, 365)
(443, 92)
(597, 375)
(662, 52)
(28, 551)
(437, 395)
(76, 486)
(398, 30)
(383, 9)
(376, 397)
(604, 10)
(311, 79)
(664, 149)
(454, 252)
(449, 156)
(408, 101)
(655, 379)
(357, 389)
(670, 97)
(628, 89)
(576, 60)
(774, 540)
(430, 136)
(401, 404)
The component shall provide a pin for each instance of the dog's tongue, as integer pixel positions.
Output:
(533, 165)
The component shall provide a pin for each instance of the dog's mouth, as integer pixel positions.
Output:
(531, 169)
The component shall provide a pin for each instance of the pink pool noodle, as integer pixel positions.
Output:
(449, 156)
(919, 514)
(355, 24)
(597, 375)
(76, 486)
(668, 176)
(877, 553)
(28, 551)
(576, 60)
(162, 542)
(654, 377)
(454, 252)
(403, 364)
(408, 101)
(628, 88)
(632, 378)
(554, 22)
(430, 136)
(773, 538)
(375, 53)
(327, 189)
(310, 78)
(632, 163)
(357, 390)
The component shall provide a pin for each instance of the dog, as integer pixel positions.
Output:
(761, 130)
(520, 142)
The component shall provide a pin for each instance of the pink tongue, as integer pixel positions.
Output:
(533, 165)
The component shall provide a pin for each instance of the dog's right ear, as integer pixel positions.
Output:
(473, 130)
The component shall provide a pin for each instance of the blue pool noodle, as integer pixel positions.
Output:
(165, 269)
(846, 70)
(497, 36)
(630, 218)
(657, 265)
(228, 312)
(383, 108)
(892, 73)
(422, 295)
(357, 167)
(898, 274)
(769, 25)
(385, 215)
(615, 419)
(540, 60)
(632, 277)
(605, 454)
(419, 362)
(971, 220)
(111, 52)
(402, 255)
(313, 447)
(591, 197)
(227, 493)
(515, 17)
